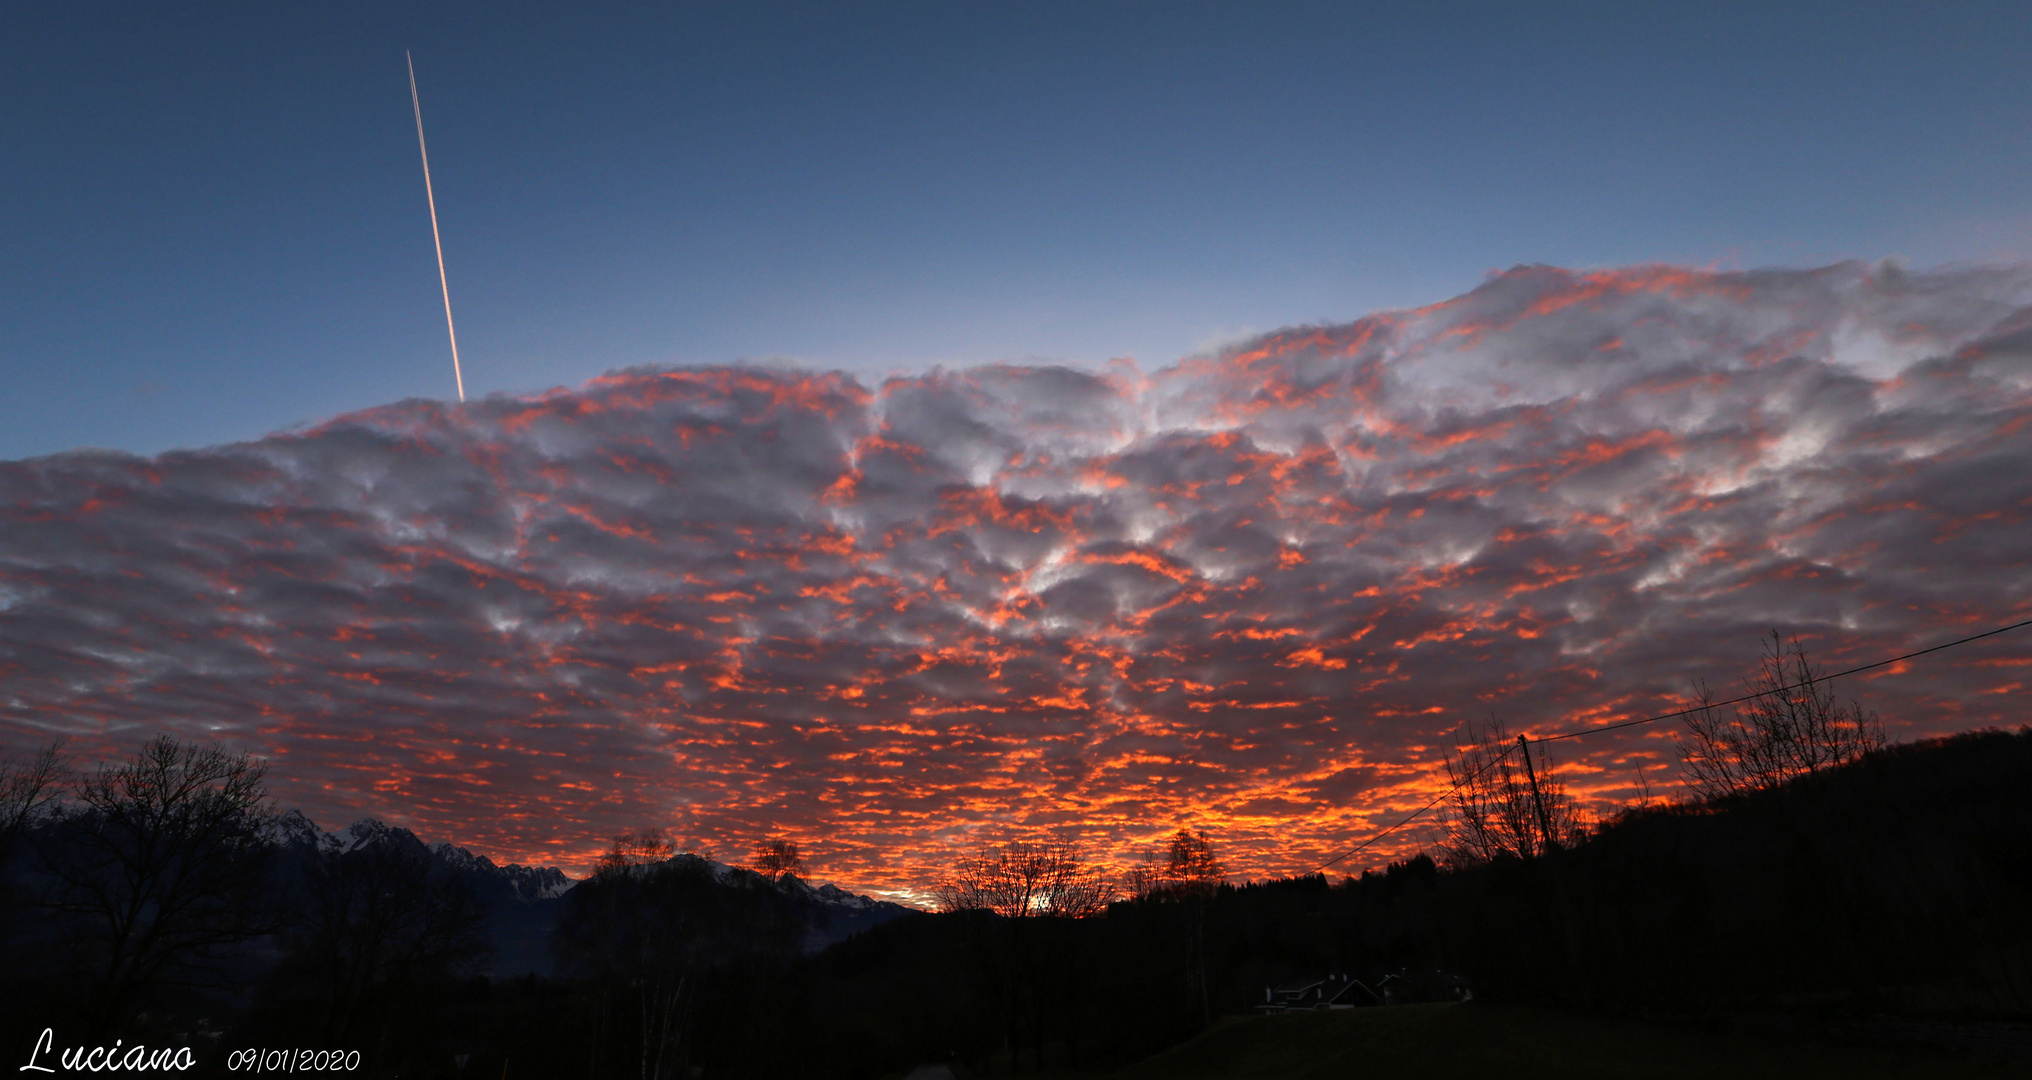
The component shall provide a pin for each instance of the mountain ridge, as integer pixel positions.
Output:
(523, 903)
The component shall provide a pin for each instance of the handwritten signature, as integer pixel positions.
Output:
(112, 1058)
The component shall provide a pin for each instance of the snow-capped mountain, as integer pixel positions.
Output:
(839, 913)
(523, 902)
(291, 829)
(538, 882)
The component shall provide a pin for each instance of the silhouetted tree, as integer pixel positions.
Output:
(778, 858)
(159, 868)
(1193, 875)
(29, 790)
(1145, 877)
(1187, 873)
(26, 791)
(1494, 809)
(1020, 880)
(1190, 867)
(1793, 727)
(1024, 883)
(376, 921)
(641, 933)
(635, 847)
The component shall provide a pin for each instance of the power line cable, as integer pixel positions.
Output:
(1499, 758)
(1781, 689)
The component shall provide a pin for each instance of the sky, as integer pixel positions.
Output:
(898, 428)
(216, 229)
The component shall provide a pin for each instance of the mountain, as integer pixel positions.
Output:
(839, 914)
(523, 903)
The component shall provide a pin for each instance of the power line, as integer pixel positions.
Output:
(1499, 758)
(1781, 689)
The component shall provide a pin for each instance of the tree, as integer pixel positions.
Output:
(635, 847)
(159, 869)
(1507, 800)
(779, 858)
(1145, 879)
(1190, 866)
(1793, 727)
(1020, 880)
(1035, 889)
(1187, 872)
(642, 934)
(1184, 867)
(375, 921)
(26, 791)
(1192, 872)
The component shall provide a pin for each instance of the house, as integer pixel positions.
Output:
(1329, 992)
(1354, 994)
(1400, 987)
(1404, 987)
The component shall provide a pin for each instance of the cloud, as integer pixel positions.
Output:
(1255, 592)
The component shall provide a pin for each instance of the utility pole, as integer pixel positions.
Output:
(1567, 919)
(1544, 822)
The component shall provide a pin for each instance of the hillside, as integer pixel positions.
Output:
(1886, 896)
(1896, 885)
(1440, 1042)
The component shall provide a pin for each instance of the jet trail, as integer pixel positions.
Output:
(429, 195)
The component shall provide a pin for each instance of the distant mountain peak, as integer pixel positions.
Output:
(538, 882)
(522, 901)
(291, 829)
(369, 831)
(453, 855)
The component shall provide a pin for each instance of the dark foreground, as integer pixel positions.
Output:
(1439, 1042)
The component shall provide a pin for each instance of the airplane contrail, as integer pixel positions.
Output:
(427, 194)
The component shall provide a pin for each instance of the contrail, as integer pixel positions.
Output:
(427, 194)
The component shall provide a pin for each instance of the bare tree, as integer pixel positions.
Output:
(640, 931)
(376, 920)
(1793, 727)
(631, 934)
(1184, 866)
(1073, 889)
(161, 867)
(1020, 880)
(1145, 878)
(635, 847)
(1192, 872)
(641, 939)
(1184, 871)
(1190, 866)
(779, 858)
(1035, 888)
(1507, 800)
(26, 791)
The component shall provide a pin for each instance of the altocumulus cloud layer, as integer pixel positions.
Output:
(1255, 592)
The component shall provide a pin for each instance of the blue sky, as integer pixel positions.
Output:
(214, 222)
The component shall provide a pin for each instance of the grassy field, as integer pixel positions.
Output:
(1437, 1042)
